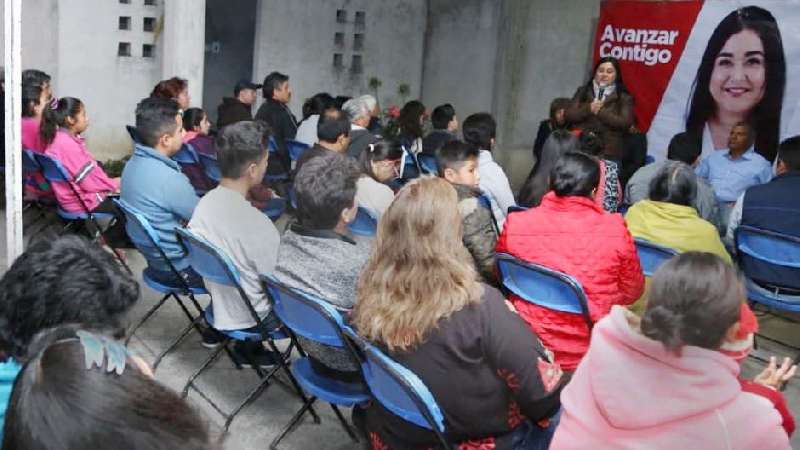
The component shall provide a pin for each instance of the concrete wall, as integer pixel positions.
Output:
(297, 38)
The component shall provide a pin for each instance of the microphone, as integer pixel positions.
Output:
(600, 92)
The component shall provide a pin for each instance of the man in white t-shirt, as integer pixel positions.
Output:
(227, 220)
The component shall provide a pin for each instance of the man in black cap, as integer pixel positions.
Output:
(239, 107)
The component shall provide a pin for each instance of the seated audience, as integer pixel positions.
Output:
(61, 134)
(458, 164)
(774, 206)
(196, 126)
(82, 390)
(662, 382)
(153, 184)
(420, 301)
(379, 164)
(240, 106)
(731, 172)
(247, 236)
(480, 131)
(445, 128)
(668, 217)
(54, 282)
(686, 148)
(538, 182)
(556, 121)
(318, 254)
(570, 233)
(34, 103)
(313, 108)
(176, 89)
(333, 131)
(410, 131)
(609, 192)
(360, 111)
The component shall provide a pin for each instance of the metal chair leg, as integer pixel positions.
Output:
(176, 343)
(285, 365)
(205, 365)
(254, 394)
(345, 425)
(292, 423)
(147, 316)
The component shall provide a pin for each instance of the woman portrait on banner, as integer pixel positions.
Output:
(605, 103)
(742, 77)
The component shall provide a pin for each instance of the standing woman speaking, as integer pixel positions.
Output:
(604, 102)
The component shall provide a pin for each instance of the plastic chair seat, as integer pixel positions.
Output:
(275, 208)
(81, 216)
(364, 224)
(243, 335)
(328, 389)
(164, 288)
(760, 294)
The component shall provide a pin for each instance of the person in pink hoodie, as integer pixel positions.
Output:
(34, 102)
(60, 134)
(661, 382)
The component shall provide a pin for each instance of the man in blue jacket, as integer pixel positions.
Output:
(153, 184)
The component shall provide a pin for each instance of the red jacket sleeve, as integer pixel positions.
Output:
(631, 279)
(777, 399)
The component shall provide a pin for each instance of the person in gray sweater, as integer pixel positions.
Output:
(319, 256)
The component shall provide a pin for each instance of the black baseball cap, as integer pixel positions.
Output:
(244, 84)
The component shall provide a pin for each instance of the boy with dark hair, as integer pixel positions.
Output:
(445, 127)
(318, 254)
(152, 183)
(480, 131)
(458, 164)
(227, 220)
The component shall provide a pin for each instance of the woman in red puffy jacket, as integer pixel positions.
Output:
(569, 233)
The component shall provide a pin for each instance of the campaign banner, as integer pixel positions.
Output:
(704, 66)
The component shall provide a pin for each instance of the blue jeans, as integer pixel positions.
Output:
(530, 436)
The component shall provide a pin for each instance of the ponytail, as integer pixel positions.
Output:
(55, 115)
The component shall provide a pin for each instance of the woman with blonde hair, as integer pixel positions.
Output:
(419, 300)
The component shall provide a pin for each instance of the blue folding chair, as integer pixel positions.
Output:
(30, 167)
(145, 237)
(648, 159)
(411, 168)
(652, 256)
(758, 247)
(211, 166)
(428, 163)
(296, 149)
(188, 156)
(215, 266)
(364, 224)
(398, 389)
(54, 172)
(544, 287)
(320, 322)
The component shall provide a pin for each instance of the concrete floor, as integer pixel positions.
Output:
(256, 426)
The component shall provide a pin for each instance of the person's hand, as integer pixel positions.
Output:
(595, 106)
(774, 376)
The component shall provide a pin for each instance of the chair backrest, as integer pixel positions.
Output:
(305, 314)
(648, 159)
(52, 169)
(272, 145)
(207, 260)
(211, 166)
(768, 246)
(29, 163)
(428, 163)
(542, 286)
(397, 388)
(515, 208)
(296, 149)
(652, 256)
(186, 155)
(410, 168)
(364, 224)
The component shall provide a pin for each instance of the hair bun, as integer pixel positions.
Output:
(663, 325)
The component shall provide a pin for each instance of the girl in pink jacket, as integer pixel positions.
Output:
(661, 382)
(60, 134)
